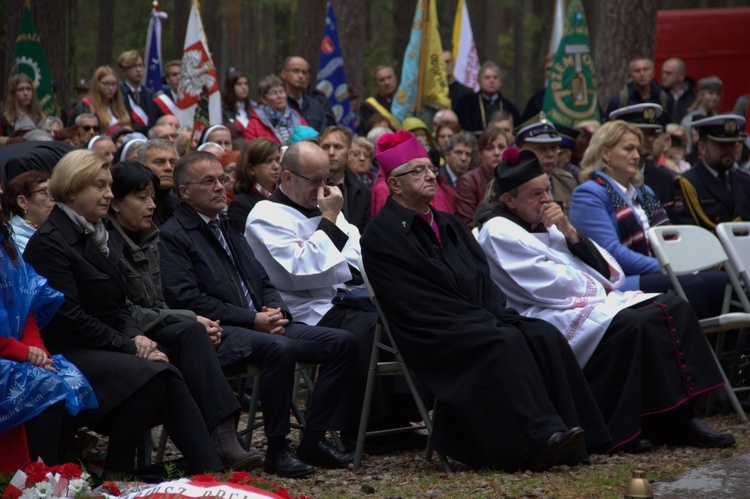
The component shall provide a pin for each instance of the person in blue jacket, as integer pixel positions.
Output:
(614, 208)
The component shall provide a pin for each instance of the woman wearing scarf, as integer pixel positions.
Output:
(614, 209)
(273, 118)
(134, 383)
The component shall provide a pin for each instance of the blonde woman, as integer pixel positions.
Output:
(104, 100)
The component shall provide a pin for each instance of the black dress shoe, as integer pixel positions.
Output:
(637, 445)
(695, 433)
(286, 464)
(556, 446)
(323, 453)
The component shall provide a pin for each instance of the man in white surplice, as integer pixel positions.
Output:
(309, 250)
(644, 355)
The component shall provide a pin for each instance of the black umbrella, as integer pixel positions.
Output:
(24, 156)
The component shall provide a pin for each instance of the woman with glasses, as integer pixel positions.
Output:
(360, 160)
(257, 174)
(104, 100)
(273, 118)
(29, 203)
(20, 102)
(133, 381)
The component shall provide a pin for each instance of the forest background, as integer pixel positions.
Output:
(256, 35)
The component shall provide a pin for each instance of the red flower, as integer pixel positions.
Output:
(68, 471)
(281, 491)
(242, 477)
(111, 488)
(35, 472)
(204, 478)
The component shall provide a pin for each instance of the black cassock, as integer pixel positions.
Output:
(504, 383)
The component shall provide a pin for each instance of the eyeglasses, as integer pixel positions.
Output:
(90, 128)
(108, 84)
(327, 180)
(43, 192)
(211, 181)
(359, 154)
(418, 172)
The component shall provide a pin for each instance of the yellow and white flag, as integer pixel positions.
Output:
(466, 70)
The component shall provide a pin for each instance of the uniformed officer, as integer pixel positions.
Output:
(714, 190)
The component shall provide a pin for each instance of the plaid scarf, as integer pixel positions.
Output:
(631, 230)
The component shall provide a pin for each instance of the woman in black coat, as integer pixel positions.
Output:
(133, 381)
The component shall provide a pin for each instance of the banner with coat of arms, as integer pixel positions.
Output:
(331, 77)
(571, 96)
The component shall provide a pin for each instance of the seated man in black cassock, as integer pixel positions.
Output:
(644, 355)
(509, 391)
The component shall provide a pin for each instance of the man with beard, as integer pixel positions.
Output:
(723, 193)
(651, 120)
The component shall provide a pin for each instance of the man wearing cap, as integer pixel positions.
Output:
(447, 316)
(641, 88)
(568, 138)
(642, 354)
(713, 191)
(651, 121)
(475, 110)
(542, 138)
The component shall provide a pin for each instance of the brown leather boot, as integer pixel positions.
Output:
(224, 438)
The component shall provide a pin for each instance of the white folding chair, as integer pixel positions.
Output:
(685, 249)
(389, 368)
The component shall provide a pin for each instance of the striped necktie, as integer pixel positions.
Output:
(216, 231)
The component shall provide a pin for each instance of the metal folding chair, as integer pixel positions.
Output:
(685, 249)
(389, 368)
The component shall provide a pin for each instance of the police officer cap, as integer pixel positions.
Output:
(722, 128)
(538, 130)
(567, 135)
(643, 116)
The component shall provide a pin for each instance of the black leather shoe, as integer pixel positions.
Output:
(695, 433)
(286, 464)
(636, 446)
(323, 453)
(556, 446)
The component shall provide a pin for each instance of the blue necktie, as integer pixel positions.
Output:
(216, 231)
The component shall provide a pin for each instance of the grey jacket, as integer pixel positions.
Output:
(139, 263)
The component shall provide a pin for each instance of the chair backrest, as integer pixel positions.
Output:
(735, 237)
(686, 248)
(374, 298)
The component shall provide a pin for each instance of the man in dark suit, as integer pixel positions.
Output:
(722, 193)
(139, 100)
(475, 110)
(336, 142)
(651, 121)
(209, 268)
(386, 84)
(296, 76)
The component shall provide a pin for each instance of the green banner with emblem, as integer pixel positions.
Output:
(571, 97)
(28, 58)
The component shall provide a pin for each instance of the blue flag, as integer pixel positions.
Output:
(152, 74)
(331, 78)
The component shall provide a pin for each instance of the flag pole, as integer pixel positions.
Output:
(425, 13)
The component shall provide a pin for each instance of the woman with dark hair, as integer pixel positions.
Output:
(104, 100)
(29, 203)
(135, 385)
(187, 339)
(35, 388)
(472, 189)
(20, 102)
(258, 172)
(236, 105)
(273, 118)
